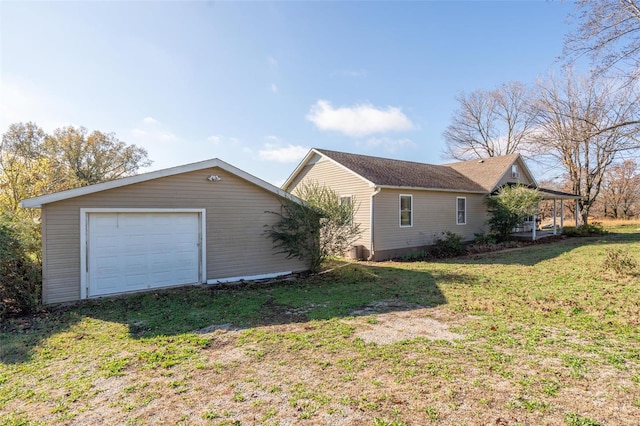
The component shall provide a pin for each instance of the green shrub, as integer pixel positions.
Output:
(508, 208)
(484, 239)
(620, 260)
(20, 273)
(449, 245)
(587, 230)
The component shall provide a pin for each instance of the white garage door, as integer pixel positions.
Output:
(137, 251)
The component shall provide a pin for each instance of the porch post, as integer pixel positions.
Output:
(577, 213)
(533, 231)
(561, 214)
(555, 229)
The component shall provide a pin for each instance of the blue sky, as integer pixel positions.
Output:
(257, 84)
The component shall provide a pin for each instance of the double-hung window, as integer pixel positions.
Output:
(406, 210)
(461, 210)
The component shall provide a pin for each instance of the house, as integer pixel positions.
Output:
(192, 224)
(404, 205)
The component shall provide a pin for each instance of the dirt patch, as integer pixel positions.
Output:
(396, 326)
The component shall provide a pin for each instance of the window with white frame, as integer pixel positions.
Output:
(461, 210)
(514, 171)
(347, 200)
(406, 210)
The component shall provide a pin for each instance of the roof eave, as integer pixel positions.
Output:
(418, 188)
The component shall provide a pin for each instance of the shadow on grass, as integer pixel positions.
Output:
(355, 289)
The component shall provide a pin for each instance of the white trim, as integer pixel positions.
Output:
(248, 278)
(400, 210)
(84, 223)
(37, 202)
(308, 158)
(458, 212)
(372, 250)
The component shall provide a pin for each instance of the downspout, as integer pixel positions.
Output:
(371, 224)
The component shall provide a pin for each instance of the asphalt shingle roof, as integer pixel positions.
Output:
(388, 172)
(486, 172)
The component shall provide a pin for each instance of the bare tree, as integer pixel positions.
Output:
(579, 128)
(608, 33)
(621, 190)
(490, 123)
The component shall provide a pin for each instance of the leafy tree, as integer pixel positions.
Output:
(23, 170)
(33, 163)
(322, 227)
(509, 207)
(491, 123)
(582, 126)
(93, 158)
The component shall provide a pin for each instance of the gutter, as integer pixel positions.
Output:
(371, 224)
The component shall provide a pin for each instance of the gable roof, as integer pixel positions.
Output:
(407, 174)
(487, 172)
(480, 176)
(37, 202)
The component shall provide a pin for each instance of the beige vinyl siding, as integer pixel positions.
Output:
(433, 212)
(236, 212)
(524, 178)
(344, 182)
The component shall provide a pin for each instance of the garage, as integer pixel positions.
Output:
(131, 251)
(198, 223)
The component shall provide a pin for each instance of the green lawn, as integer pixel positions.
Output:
(533, 336)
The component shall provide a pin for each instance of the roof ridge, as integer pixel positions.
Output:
(322, 150)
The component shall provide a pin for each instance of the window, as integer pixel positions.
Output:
(406, 210)
(347, 200)
(514, 171)
(461, 210)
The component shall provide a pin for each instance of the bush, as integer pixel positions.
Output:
(449, 245)
(620, 260)
(484, 239)
(587, 230)
(508, 208)
(20, 273)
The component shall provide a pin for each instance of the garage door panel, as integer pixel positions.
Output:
(136, 251)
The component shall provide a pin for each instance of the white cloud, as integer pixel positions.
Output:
(272, 61)
(358, 120)
(149, 120)
(389, 144)
(279, 154)
(274, 88)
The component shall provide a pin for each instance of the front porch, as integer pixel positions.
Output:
(531, 229)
